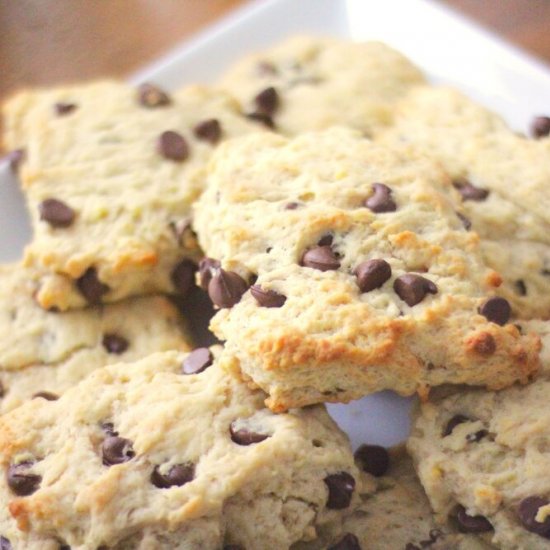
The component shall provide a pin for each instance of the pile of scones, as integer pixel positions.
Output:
(356, 229)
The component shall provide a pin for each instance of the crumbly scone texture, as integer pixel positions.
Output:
(513, 220)
(50, 352)
(265, 495)
(329, 341)
(493, 459)
(131, 204)
(323, 82)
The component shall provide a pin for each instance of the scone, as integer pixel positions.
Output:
(109, 174)
(484, 455)
(312, 83)
(170, 453)
(502, 178)
(363, 275)
(42, 353)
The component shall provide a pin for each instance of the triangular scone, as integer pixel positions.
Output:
(45, 353)
(487, 452)
(170, 453)
(110, 173)
(312, 83)
(503, 179)
(302, 217)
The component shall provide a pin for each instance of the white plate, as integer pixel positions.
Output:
(449, 48)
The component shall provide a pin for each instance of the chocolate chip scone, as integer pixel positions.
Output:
(170, 453)
(43, 353)
(312, 83)
(110, 173)
(364, 277)
(502, 178)
(483, 456)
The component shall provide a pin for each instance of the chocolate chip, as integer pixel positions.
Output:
(412, 288)
(262, 118)
(5, 544)
(232, 547)
(340, 490)
(152, 96)
(115, 344)
(521, 289)
(61, 547)
(2, 390)
(172, 146)
(48, 396)
(267, 298)
(321, 258)
(496, 309)
(469, 191)
(117, 450)
(292, 205)
(453, 423)
(528, 510)
(347, 542)
(465, 221)
(91, 287)
(325, 240)
(472, 524)
(108, 428)
(244, 436)
(15, 158)
(476, 436)
(226, 288)
(62, 109)
(183, 276)
(372, 274)
(381, 200)
(411, 546)
(267, 101)
(208, 130)
(207, 268)
(373, 459)
(21, 481)
(540, 127)
(56, 213)
(177, 475)
(197, 361)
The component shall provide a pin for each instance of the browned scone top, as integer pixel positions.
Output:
(364, 275)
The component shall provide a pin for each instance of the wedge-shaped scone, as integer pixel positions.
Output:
(366, 277)
(312, 83)
(42, 353)
(486, 454)
(170, 453)
(503, 179)
(110, 173)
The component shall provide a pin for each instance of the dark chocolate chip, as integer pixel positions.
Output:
(528, 510)
(232, 547)
(183, 276)
(91, 287)
(325, 240)
(453, 423)
(469, 191)
(267, 298)
(411, 546)
(465, 221)
(497, 310)
(226, 288)
(48, 396)
(197, 361)
(152, 96)
(472, 524)
(373, 459)
(209, 130)
(520, 287)
(347, 542)
(62, 109)
(372, 274)
(15, 158)
(381, 200)
(207, 268)
(5, 544)
(2, 390)
(267, 101)
(21, 481)
(177, 475)
(340, 490)
(244, 436)
(540, 127)
(172, 146)
(61, 547)
(108, 428)
(115, 344)
(116, 450)
(321, 258)
(292, 205)
(476, 436)
(412, 288)
(56, 213)
(262, 118)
